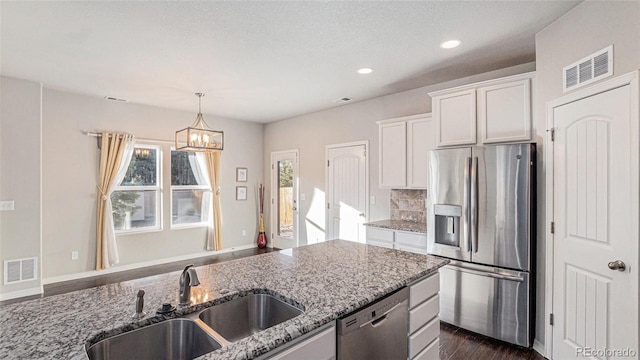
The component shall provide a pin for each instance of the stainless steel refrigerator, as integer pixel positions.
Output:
(481, 214)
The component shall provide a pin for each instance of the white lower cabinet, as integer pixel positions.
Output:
(397, 239)
(317, 345)
(424, 323)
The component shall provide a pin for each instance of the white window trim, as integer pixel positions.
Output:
(173, 226)
(158, 188)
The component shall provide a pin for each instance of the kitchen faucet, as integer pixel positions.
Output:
(188, 279)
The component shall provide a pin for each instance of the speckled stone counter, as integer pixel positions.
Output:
(402, 225)
(328, 280)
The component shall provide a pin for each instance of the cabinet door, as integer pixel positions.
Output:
(504, 111)
(318, 347)
(420, 139)
(455, 117)
(380, 237)
(393, 155)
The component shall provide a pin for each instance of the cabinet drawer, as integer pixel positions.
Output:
(422, 250)
(432, 352)
(424, 313)
(388, 245)
(423, 337)
(318, 347)
(378, 234)
(411, 239)
(423, 290)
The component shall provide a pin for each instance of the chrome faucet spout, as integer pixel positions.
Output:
(188, 279)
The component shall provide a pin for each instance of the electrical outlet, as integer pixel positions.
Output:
(6, 205)
(74, 255)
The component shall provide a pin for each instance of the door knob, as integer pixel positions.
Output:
(617, 265)
(361, 214)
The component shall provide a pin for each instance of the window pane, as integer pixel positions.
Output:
(181, 172)
(188, 206)
(285, 198)
(142, 169)
(134, 209)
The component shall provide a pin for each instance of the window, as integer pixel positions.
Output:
(190, 191)
(136, 201)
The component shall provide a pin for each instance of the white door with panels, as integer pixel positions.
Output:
(284, 199)
(347, 191)
(595, 212)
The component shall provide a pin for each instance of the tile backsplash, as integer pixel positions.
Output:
(410, 205)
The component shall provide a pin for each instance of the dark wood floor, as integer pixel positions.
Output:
(460, 344)
(455, 343)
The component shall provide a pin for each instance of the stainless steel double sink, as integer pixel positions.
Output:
(197, 333)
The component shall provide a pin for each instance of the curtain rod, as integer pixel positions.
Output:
(98, 135)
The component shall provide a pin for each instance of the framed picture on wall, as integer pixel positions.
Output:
(241, 193)
(241, 174)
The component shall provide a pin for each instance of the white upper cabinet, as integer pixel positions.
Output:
(393, 154)
(504, 111)
(404, 144)
(455, 115)
(420, 140)
(501, 108)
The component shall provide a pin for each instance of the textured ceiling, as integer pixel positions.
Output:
(262, 61)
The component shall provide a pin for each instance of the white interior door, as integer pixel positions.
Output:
(347, 191)
(595, 211)
(284, 199)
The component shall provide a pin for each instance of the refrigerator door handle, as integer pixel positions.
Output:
(474, 204)
(467, 202)
(499, 276)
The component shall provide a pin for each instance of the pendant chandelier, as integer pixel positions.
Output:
(199, 136)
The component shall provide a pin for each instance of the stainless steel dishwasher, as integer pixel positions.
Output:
(378, 331)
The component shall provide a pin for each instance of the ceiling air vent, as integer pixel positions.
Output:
(584, 71)
(343, 100)
(111, 98)
(20, 270)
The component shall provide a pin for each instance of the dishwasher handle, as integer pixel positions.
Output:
(379, 320)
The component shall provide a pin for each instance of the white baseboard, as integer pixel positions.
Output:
(117, 269)
(21, 293)
(539, 347)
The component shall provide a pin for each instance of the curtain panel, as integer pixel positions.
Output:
(115, 155)
(214, 235)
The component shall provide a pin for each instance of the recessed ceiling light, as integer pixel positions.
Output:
(450, 44)
(365, 71)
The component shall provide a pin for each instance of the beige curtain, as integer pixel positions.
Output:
(115, 156)
(214, 236)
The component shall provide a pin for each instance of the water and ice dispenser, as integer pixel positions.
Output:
(447, 224)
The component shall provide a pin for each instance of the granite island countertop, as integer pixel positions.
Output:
(403, 225)
(328, 280)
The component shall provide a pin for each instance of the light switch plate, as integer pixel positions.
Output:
(372, 200)
(6, 205)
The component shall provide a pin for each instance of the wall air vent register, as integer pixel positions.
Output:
(596, 66)
(20, 270)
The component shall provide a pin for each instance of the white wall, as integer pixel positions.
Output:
(310, 134)
(20, 155)
(70, 172)
(587, 28)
